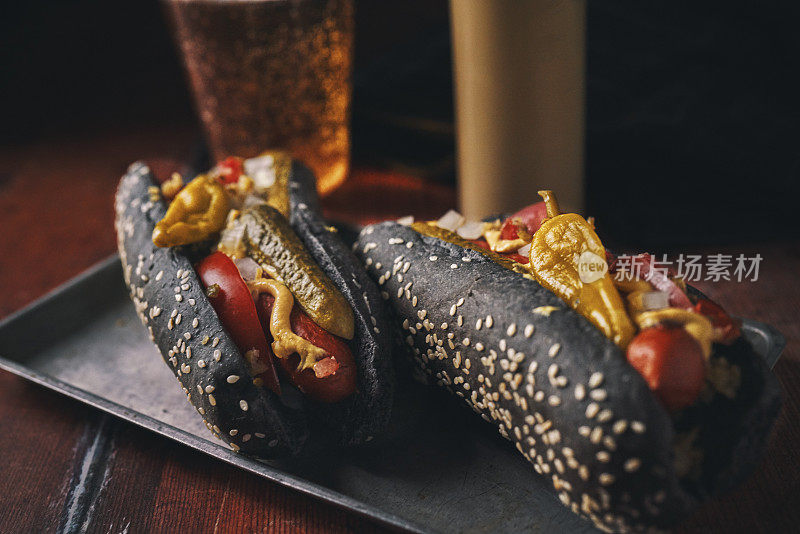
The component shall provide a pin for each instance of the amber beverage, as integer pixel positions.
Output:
(271, 74)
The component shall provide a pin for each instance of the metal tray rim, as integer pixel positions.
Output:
(207, 447)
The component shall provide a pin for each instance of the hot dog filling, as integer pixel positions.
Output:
(664, 332)
(252, 211)
(285, 341)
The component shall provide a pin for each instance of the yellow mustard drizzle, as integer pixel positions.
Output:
(695, 324)
(491, 233)
(285, 341)
(633, 285)
(277, 194)
(502, 245)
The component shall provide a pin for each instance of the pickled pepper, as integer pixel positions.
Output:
(196, 213)
(271, 242)
(568, 258)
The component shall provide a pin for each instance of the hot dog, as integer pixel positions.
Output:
(239, 316)
(333, 378)
(635, 409)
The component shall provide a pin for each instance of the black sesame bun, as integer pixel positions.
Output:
(171, 302)
(560, 390)
(365, 415)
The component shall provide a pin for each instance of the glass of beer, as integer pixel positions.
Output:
(271, 74)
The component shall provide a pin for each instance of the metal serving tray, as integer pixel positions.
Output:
(446, 470)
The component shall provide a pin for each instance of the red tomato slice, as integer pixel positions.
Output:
(532, 216)
(726, 328)
(510, 229)
(338, 369)
(519, 258)
(482, 243)
(237, 311)
(230, 169)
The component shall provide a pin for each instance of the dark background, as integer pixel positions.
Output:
(693, 113)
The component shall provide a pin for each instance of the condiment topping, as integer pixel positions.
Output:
(285, 341)
(235, 308)
(676, 333)
(433, 230)
(334, 377)
(250, 200)
(555, 261)
(272, 243)
(197, 213)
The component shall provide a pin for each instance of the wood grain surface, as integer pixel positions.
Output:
(67, 467)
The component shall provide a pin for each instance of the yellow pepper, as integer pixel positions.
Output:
(568, 258)
(198, 212)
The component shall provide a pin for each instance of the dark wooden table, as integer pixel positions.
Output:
(66, 466)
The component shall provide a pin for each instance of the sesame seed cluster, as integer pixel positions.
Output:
(542, 374)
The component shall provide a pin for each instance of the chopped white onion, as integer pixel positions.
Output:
(248, 268)
(408, 220)
(471, 230)
(524, 250)
(261, 170)
(253, 200)
(451, 220)
(655, 300)
(232, 238)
